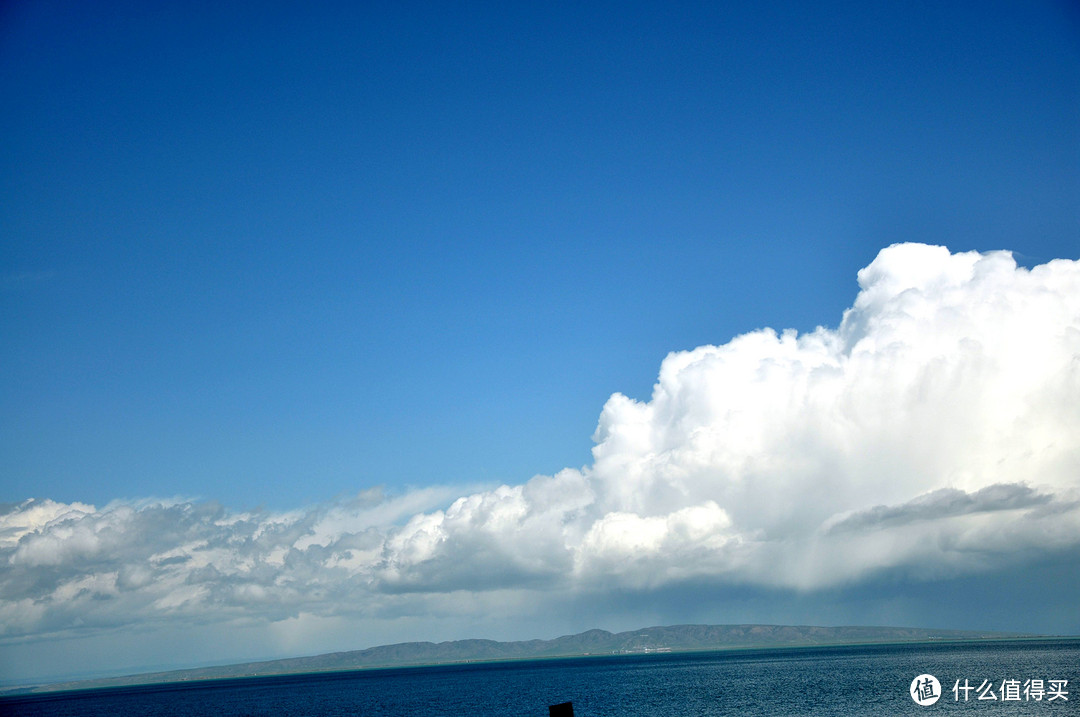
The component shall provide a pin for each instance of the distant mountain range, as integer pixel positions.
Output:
(675, 638)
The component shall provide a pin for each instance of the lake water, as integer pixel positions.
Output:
(852, 680)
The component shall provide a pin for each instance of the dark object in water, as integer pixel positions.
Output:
(563, 709)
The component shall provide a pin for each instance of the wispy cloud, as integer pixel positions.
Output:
(943, 504)
(935, 428)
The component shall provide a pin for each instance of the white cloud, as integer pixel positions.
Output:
(33, 515)
(934, 432)
(650, 551)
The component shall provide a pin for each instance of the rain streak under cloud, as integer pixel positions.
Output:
(933, 433)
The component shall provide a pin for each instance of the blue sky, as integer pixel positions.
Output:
(274, 257)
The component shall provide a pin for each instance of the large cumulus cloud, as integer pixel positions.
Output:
(935, 431)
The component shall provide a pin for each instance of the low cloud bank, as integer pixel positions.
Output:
(935, 432)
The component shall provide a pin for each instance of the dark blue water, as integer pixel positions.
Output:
(869, 680)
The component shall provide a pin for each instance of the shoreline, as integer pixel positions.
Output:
(204, 676)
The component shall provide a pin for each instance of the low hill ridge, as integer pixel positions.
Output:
(673, 638)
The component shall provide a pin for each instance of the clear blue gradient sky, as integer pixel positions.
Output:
(273, 255)
(267, 254)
